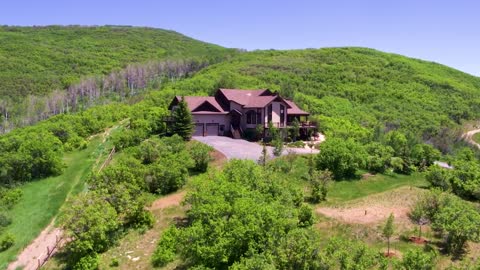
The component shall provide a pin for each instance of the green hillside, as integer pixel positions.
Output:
(38, 60)
(362, 90)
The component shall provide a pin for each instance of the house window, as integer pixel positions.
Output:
(282, 115)
(270, 110)
(259, 116)
(251, 117)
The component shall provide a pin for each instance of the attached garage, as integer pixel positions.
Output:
(199, 127)
(212, 129)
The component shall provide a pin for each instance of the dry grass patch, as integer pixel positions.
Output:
(218, 159)
(375, 209)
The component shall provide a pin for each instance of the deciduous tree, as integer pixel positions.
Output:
(341, 157)
(388, 231)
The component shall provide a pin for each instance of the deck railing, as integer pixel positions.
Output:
(303, 124)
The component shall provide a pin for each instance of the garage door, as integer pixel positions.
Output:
(212, 129)
(198, 130)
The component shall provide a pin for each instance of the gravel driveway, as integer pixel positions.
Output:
(241, 149)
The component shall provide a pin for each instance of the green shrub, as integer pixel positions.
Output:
(89, 262)
(114, 262)
(342, 157)
(4, 221)
(379, 157)
(305, 216)
(168, 174)
(277, 147)
(297, 144)
(319, 181)
(439, 177)
(144, 219)
(166, 248)
(418, 259)
(9, 197)
(6, 241)
(128, 138)
(200, 154)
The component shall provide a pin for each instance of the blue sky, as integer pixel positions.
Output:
(447, 32)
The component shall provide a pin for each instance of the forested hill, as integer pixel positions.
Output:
(38, 60)
(356, 90)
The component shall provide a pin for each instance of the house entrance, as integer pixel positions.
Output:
(235, 120)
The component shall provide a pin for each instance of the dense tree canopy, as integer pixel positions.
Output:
(341, 157)
(42, 59)
(249, 217)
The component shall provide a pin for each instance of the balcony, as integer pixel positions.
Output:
(303, 124)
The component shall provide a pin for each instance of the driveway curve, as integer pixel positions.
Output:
(468, 136)
(242, 149)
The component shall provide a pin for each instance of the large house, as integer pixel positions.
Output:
(231, 112)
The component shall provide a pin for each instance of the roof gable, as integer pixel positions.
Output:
(206, 106)
(262, 101)
(194, 103)
(243, 97)
(251, 98)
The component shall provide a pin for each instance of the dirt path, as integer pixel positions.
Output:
(29, 257)
(45, 245)
(135, 250)
(468, 137)
(168, 201)
(39, 249)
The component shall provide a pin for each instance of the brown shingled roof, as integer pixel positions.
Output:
(195, 102)
(242, 97)
(246, 98)
(294, 109)
(259, 102)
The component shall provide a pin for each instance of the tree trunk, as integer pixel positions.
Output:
(388, 247)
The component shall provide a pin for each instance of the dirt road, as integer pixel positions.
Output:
(468, 137)
(168, 201)
(38, 251)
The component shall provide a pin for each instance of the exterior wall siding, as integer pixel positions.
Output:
(275, 113)
(236, 106)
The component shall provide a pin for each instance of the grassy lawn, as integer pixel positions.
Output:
(341, 191)
(43, 198)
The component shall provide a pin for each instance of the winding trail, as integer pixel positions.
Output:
(468, 137)
(168, 201)
(46, 244)
(34, 255)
